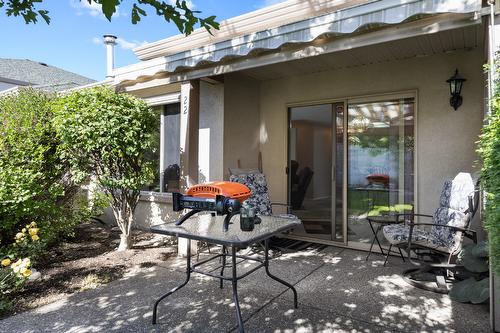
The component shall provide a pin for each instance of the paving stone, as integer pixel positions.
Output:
(279, 318)
(338, 292)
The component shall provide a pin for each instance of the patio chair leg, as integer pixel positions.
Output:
(387, 255)
(371, 247)
(375, 238)
(223, 266)
(401, 254)
(234, 280)
(188, 276)
(198, 252)
(266, 265)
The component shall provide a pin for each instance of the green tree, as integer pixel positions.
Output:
(105, 135)
(179, 13)
(489, 150)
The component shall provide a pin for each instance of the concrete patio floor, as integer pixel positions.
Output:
(338, 292)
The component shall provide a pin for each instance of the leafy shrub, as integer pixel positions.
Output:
(475, 287)
(106, 135)
(489, 150)
(35, 184)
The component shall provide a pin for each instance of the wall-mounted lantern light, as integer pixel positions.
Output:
(456, 82)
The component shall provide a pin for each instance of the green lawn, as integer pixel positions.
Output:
(376, 204)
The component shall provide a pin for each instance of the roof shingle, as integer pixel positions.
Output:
(40, 74)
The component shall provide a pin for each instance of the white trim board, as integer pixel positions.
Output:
(163, 99)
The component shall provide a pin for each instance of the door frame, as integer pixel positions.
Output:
(413, 93)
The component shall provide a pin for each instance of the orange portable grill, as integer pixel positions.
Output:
(223, 198)
(228, 189)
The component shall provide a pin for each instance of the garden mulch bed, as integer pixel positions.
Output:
(88, 260)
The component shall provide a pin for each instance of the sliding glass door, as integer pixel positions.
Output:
(347, 165)
(314, 176)
(380, 153)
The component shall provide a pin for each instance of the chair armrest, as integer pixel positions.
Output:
(469, 233)
(413, 214)
(444, 226)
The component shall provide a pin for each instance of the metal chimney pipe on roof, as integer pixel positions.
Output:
(110, 42)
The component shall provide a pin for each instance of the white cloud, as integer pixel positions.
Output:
(189, 3)
(97, 40)
(123, 43)
(129, 44)
(92, 9)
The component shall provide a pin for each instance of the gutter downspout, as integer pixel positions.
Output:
(489, 109)
(491, 56)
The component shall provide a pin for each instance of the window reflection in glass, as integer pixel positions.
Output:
(380, 162)
(165, 154)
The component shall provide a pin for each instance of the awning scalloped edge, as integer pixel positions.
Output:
(303, 33)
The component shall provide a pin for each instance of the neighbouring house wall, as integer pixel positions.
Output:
(446, 139)
(6, 85)
(241, 122)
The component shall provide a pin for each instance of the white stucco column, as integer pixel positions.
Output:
(189, 122)
(211, 134)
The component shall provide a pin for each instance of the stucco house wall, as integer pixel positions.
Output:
(445, 138)
(241, 122)
(255, 119)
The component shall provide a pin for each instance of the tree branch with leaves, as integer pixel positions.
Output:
(178, 13)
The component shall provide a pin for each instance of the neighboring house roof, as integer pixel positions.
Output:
(271, 32)
(40, 75)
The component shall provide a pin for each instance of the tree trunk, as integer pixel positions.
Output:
(125, 242)
(124, 217)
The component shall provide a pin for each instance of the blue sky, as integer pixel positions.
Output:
(72, 40)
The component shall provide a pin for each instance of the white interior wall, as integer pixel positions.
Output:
(322, 163)
(445, 138)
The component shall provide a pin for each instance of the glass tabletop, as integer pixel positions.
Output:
(389, 218)
(209, 228)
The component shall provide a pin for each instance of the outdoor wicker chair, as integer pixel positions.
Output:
(443, 241)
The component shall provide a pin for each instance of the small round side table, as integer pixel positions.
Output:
(382, 220)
